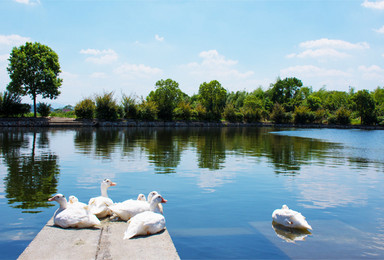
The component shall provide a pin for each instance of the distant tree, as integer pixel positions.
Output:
(213, 96)
(34, 70)
(283, 91)
(166, 97)
(10, 105)
(365, 106)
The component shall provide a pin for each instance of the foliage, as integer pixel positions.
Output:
(148, 111)
(341, 117)
(251, 115)
(85, 109)
(237, 99)
(43, 109)
(130, 107)
(212, 96)
(10, 105)
(34, 70)
(365, 106)
(279, 115)
(200, 113)
(336, 99)
(283, 91)
(229, 113)
(183, 111)
(303, 115)
(166, 96)
(320, 115)
(106, 107)
(313, 102)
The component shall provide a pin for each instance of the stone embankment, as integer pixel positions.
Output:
(71, 122)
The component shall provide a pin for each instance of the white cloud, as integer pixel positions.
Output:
(379, 5)
(381, 30)
(28, 2)
(134, 70)
(312, 71)
(158, 38)
(100, 56)
(13, 40)
(334, 44)
(215, 65)
(373, 72)
(318, 53)
(327, 48)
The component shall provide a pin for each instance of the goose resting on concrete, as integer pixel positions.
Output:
(99, 205)
(148, 222)
(72, 217)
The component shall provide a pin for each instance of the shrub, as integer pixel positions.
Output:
(85, 109)
(303, 115)
(43, 109)
(183, 111)
(106, 107)
(229, 113)
(341, 117)
(279, 115)
(200, 113)
(10, 105)
(251, 115)
(320, 115)
(148, 111)
(130, 107)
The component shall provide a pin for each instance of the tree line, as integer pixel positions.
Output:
(34, 70)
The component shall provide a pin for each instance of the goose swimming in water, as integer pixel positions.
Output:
(290, 218)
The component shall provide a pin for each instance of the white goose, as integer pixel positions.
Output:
(159, 207)
(290, 218)
(73, 201)
(99, 205)
(129, 208)
(72, 217)
(148, 222)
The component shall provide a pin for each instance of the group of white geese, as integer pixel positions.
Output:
(144, 216)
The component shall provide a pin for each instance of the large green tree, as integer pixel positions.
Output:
(34, 70)
(365, 106)
(166, 96)
(284, 91)
(213, 96)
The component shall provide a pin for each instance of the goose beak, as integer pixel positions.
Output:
(113, 183)
(163, 200)
(51, 199)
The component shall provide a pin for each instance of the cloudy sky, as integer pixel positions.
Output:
(126, 46)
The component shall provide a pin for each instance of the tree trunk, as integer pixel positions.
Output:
(34, 105)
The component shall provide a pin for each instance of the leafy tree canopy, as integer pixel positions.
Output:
(213, 96)
(365, 105)
(284, 90)
(34, 70)
(166, 96)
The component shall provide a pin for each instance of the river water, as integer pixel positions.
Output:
(222, 185)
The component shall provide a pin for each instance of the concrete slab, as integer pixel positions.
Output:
(104, 243)
(56, 243)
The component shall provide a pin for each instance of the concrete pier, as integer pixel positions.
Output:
(100, 243)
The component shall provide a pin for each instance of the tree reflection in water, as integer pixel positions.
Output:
(32, 173)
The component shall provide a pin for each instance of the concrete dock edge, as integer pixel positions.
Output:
(105, 242)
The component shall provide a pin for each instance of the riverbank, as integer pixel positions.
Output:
(72, 122)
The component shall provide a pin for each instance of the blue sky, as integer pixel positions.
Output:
(126, 46)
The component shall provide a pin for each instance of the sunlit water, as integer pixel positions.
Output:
(222, 186)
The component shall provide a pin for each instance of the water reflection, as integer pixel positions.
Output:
(290, 235)
(32, 175)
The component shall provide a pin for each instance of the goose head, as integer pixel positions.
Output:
(105, 184)
(141, 197)
(155, 201)
(59, 198)
(151, 195)
(73, 199)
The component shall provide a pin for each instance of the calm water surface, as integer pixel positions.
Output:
(222, 186)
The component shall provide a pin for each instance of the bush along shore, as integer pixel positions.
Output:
(73, 123)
